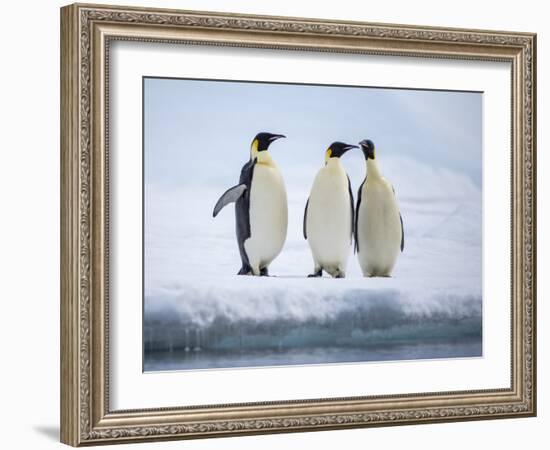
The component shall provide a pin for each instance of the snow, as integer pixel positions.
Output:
(191, 258)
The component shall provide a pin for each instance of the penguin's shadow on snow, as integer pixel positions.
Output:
(297, 277)
(284, 276)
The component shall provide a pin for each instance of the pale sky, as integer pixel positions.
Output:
(195, 131)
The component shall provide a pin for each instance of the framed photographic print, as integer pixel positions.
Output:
(276, 224)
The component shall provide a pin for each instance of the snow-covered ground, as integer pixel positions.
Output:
(191, 260)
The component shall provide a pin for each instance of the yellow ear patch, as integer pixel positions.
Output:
(254, 149)
(328, 154)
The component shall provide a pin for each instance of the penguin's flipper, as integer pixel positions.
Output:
(305, 220)
(229, 196)
(402, 230)
(402, 233)
(355, 228)
(352, 206)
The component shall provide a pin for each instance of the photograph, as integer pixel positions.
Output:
(291, 224)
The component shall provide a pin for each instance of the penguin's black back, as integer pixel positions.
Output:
(356, 225)
(242, 209)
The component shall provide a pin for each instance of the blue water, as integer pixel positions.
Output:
(188, 360)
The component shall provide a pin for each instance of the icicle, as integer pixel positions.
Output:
(187, 348)
(198, 341)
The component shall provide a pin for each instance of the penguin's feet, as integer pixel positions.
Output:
(316, 274)
(376, 274)
(264, 272)
(245, 270)
(339, 274)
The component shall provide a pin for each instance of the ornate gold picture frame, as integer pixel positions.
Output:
(87, 32)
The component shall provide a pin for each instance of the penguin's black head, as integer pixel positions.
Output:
(368, 148)
(337, 149)
(262, 141)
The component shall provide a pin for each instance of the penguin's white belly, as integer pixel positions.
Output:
(268, 217)
(328, 221)
(378, 229)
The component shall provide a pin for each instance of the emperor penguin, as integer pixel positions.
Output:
(261, 209)
(379, 233)
(328, 216)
